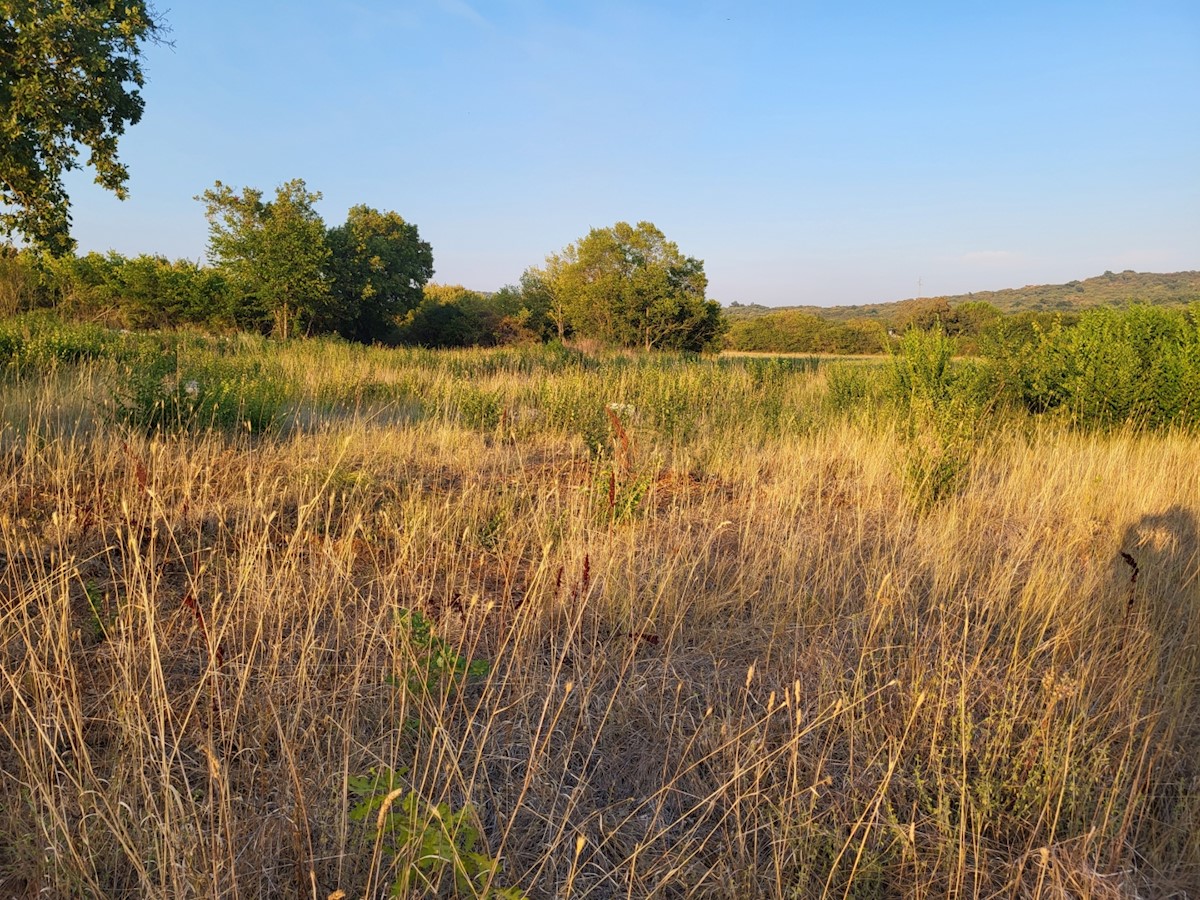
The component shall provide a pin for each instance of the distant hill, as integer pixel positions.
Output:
(1109, 289)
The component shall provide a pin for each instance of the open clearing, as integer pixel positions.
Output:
(642, 626)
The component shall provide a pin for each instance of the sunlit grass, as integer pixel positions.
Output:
(732, 654)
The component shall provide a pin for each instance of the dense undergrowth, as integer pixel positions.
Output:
(289, 620)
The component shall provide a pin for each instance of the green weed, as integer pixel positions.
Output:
(436, 665)
(434, 848)
(162, 388)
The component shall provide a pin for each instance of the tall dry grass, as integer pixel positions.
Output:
(730, 655)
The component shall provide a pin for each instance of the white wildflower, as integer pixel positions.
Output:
(623, 409)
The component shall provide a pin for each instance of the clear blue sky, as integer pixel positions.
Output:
(807, 152)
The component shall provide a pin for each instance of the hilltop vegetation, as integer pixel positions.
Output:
(973, 319)
(1109, 289)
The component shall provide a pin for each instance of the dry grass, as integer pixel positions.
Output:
(767, 674)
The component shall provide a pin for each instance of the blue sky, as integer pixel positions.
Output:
(807, 152)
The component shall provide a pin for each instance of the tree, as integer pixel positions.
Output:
(543, 290)
(796, 331)
(21, 281)
(69, 78)
(84, 285)
(630, 285)
(922, 314)
(154, 292)
(273, 253)
(378, 268)
(525, 310)
(786, 331)
(450, 315)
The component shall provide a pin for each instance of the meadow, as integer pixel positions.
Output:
(314, 619)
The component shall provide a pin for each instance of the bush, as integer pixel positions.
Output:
(22, 284)
(795, 331)
(39, 342)
(1138, 366)
(853, 386)
(942, 406)
(161, 392)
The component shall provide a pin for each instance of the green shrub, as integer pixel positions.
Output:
(11, 345)
(40, 342)
(941, 407)
(853, 386)
(1138, 366)
(159, 390)
(479, 409)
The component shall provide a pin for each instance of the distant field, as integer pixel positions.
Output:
(315, 618)
(816, 357)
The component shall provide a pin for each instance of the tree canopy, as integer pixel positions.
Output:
(70, 74)
(629, 285)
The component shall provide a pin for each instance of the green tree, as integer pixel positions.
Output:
(922, 314)
(630, 285)
(84, 285)
(378, 268)
(797, 331)
(69, 78)
(970, 320)
(22, 283)
(154, 292)
(545, 289)
(524, 311)
(787, 331)
(449, 315)
(273, 253)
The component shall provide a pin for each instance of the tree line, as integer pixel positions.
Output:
(799, 331)
(70, 78)
(275, 267)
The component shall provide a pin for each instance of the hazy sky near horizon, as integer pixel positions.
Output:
(825, 153)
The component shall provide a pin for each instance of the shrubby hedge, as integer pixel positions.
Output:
(1138, 366)
(792, 331)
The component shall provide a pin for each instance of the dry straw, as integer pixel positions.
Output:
(779, 678)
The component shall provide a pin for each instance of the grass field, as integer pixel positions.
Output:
(538, 623)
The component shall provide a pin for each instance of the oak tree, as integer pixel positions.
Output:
(378, 267)
(70, 74)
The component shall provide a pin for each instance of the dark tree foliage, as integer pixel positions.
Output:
(378, 267)
(1138, 366)
(70, 74)
(449, 315)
